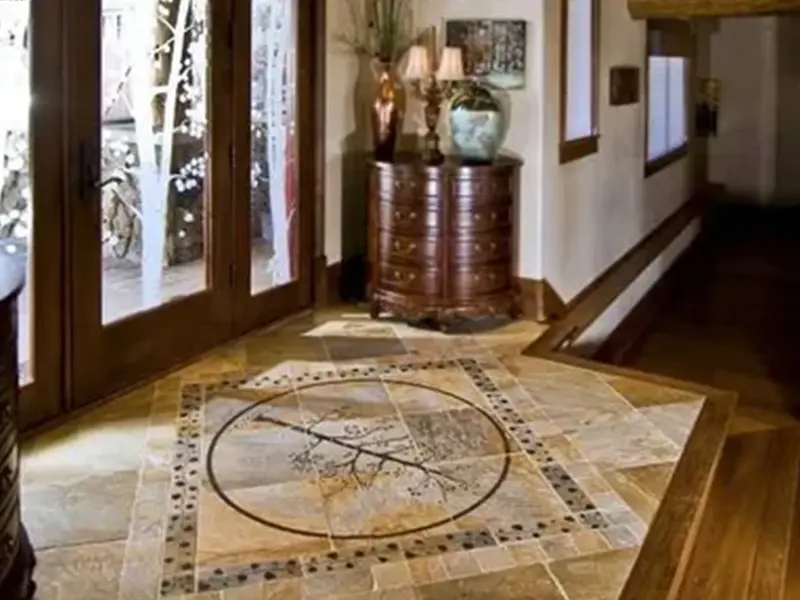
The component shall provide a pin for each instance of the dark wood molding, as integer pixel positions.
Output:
(322, 280)
(623, 342)
(593, 300)
(652, 167)
(539, 301)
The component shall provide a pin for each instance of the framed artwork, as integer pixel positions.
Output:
(623, 85)
(494, 50)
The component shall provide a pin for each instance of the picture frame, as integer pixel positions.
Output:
(494, 50)
(624, 85)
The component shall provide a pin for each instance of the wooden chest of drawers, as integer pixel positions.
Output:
(441, 239)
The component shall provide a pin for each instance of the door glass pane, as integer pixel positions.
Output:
(154, 153)
(273, 181)
(15, 181)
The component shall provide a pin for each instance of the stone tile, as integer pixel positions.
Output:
(676, 421)
(354, 348)
(345, 400)
(634, 497)
(88, 509)
(338, 585)
(642, 393)
(652, 479)
(391, 576)
(629, 440)
(140, 578)
(559, 547)
(275, 590)
(227, 537)
(620, 536)
(429, 569)
(86, 572)
(527, 553)
(595, 577)
(460, 433)
(521, 583)
(495, 558)
(460, 564)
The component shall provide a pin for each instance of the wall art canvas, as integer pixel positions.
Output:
(623, 85)
(494, 50)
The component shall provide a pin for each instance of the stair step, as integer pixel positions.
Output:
(742, 543)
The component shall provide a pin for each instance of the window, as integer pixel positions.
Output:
(667, 100)
(579, 42)
(666, 119)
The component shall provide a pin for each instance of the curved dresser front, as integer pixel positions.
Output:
(16, 554)
(441, 238)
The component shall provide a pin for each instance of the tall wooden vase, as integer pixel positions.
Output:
(385, 113)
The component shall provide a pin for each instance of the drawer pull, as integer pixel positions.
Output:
(412, 276)
(477, 247)
(493, 246)
(477, 217)
(409, 248)
(494, 216)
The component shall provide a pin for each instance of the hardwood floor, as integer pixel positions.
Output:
(734, 324)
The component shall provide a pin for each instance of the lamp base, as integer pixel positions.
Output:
(431, 153)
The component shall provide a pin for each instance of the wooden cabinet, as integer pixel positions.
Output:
(441, 238)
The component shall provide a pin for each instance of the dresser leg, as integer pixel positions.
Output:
(18, 583)
(374, 309)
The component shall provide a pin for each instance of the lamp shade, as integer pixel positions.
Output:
(418, 66)
(451, 67)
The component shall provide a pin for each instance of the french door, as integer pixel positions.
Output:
(185, 209)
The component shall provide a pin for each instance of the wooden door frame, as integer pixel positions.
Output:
(154, 341)
(41, 399)
(258, 310)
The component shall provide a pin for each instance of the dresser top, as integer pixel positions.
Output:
(450, 162)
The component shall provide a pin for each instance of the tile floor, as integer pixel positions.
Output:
(338, 457)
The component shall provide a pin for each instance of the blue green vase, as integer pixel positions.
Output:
(477, 123)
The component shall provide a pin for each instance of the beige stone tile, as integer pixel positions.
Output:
(399, 594)
(527, 553)
(227, 537)
(628, 440)
(642, 393)
(521, 583)
(559, 547)
(595, 577)
(88, 572)
(460, 564)
(620, 537)
(289, 589)
(642, 504)
(346, 400)
(338, 585)
(589, 542)
(562, 450)
(82, 510)
(493, 558)
(142, 568)
(411, 397)
(652, 479)
(676, 421)
(392, 575)
(427, 570)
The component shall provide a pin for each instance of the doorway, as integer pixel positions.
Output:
(168, 184)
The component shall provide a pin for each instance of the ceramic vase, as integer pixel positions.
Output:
(477, 123)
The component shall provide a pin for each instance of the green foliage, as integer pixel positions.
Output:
(380, 29)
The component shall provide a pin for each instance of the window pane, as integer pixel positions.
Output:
(153, 152)
(16, 206)
(676, 136)
(579, 69)
(657, 138)
(273, 168)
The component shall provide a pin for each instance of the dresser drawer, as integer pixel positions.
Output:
(481, 248)
(409, 250)
(490, 188)
(404, 279)
(399, 218)
(482, 218)
(417, 189)
(466, 283)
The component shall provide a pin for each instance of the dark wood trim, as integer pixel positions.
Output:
(593, 300)
(624, 341)
(574, 149)
(539, 300)
(652, 167)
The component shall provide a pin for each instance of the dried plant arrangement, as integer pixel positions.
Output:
(380, 29)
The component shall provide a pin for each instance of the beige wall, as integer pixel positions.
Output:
(597, 208)
(575, 220)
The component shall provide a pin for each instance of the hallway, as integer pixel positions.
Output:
(732, 322)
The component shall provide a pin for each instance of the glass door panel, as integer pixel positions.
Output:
(273, 109)
(153, 152)
(149, 155)
(16, 206)
(274, 197)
